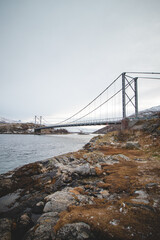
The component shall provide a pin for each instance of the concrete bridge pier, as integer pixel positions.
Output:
(37, 131)
(124, 123)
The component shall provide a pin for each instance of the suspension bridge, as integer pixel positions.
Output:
(119, 100)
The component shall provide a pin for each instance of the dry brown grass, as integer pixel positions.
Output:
(121, 219)
(108, 222)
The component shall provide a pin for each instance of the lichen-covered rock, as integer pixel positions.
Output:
(75, 231)
(44, 227)
(5, 229)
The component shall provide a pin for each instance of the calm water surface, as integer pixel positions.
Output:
(17, 150)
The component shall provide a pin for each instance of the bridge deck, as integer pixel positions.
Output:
(94, 123)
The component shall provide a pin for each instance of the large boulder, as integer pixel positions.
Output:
(59, 201)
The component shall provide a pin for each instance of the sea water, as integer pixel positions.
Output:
(17, 150)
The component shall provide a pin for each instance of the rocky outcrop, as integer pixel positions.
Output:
(110, 189)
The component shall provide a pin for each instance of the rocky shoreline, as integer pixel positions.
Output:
(110, 189)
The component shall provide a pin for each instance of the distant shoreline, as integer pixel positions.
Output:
(27, 128)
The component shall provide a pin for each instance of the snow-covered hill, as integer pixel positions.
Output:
(149, 111)
(5, 120)
(153, 109)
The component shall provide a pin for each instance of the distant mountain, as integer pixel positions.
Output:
(5, 120)
(153, 109)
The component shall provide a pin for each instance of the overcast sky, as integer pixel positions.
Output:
(57, 55)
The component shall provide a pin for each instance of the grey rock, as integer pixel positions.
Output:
(78, 168)
(142, 197)
(93, 171)
(124, 157)
(110, 160)
(83, 169)
(8, 201)
(132, 145)
(83, 199)
(74, 231)
(59, 201)
(151, 185)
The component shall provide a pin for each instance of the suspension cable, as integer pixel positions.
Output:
(91, 101)
(144, 72)
(102, 103)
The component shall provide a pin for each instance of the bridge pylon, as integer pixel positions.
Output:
(134, 99)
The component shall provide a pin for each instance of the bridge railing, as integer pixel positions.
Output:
(105, 120)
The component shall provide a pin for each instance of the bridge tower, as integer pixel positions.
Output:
(134, 99)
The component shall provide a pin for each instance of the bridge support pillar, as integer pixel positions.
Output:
(123, 95)
(37, 131)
